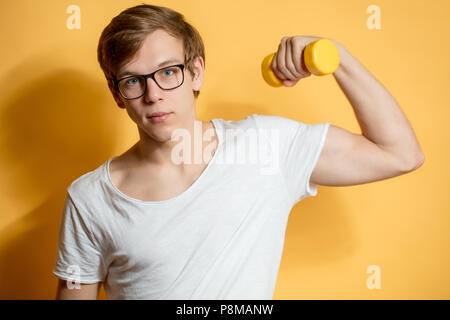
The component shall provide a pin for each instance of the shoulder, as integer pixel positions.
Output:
(244, 123)
(290, 128)
(260, 121)
(89, 200)
(87, 185)
(273, 121)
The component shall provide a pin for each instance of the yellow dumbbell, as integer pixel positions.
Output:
(321, 57)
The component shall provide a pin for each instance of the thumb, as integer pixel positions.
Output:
(289, 83)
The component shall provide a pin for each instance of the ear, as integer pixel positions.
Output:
(199, 71)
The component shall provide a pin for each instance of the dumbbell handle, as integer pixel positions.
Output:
(321, 57)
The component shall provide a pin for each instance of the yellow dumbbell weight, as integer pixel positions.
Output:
(321, 57)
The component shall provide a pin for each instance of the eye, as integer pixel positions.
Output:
(168, 71)
(130, 81)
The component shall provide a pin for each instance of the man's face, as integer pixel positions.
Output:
(158, 47)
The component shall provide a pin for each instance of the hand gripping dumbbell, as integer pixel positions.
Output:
(321, 57)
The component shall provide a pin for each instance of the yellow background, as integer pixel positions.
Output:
(59, 121)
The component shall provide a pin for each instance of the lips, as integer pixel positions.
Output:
(158, 119)
(157, 114)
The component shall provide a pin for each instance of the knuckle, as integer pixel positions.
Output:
(282, 68)
(299, 70)
(296, 39)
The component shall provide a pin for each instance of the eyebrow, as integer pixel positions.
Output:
(165, 62)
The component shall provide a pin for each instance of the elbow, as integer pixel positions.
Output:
(421, 160)
(415, 162)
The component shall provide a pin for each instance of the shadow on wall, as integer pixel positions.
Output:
(58, 126)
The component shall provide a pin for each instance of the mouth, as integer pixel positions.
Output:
(159, 118)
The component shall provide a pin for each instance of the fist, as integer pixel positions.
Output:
(288, 63)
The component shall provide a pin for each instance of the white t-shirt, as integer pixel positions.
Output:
(222, 238)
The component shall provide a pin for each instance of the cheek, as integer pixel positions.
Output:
(132, 114)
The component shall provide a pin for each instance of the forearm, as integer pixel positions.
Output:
(379, 116)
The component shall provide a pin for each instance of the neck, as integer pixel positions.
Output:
(184, 150)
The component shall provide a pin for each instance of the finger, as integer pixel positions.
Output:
(290, 67)
(275, 69)
(274, 66)
(298, 60)
(281, 61)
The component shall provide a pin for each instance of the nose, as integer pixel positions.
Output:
(153, 92)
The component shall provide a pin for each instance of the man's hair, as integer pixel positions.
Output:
(124, 35)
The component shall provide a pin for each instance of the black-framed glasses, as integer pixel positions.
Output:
(167, 78)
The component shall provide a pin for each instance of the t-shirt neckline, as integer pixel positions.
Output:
(217, 127)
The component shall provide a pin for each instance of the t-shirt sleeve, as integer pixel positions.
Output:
(300, 145)
(79, 256)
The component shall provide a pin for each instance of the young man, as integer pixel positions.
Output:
(150, 227)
